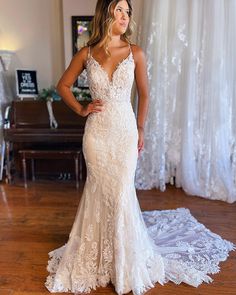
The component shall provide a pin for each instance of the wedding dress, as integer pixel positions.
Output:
(111, 239)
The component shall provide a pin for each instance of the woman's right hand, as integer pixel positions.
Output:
(94, 106)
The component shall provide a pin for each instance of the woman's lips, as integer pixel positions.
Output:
(123, 25)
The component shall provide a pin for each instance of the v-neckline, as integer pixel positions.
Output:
(116, 68)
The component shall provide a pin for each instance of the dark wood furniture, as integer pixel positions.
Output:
(29, 129)
(50, 155)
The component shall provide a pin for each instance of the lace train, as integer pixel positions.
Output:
(189, 251)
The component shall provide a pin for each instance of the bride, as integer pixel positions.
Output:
(111, 239)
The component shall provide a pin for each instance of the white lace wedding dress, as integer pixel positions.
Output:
(111, 239)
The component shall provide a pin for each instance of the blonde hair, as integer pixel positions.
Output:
(102, 24)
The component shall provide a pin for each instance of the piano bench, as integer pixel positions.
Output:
(52, 154)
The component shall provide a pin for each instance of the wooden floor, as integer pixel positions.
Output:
(37, 220)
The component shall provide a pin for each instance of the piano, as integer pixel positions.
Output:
(28, 126)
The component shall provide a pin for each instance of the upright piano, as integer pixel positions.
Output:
(28, 127)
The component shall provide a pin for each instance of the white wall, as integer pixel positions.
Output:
(33, 29)
(81, 7)
(39, 32)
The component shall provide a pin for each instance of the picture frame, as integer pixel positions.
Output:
(81, 33)
(26, 83)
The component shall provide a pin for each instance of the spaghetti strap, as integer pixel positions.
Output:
(89, 52)
(130, 49)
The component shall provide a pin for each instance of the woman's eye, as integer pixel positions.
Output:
(127, 11)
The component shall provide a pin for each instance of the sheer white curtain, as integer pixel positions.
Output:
(5, 98)
(190, 133)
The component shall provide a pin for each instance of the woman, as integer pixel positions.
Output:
(109, 240)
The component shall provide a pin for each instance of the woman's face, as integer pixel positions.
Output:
(121, 15)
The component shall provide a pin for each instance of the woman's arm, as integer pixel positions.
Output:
(142, 88)
(77, 65)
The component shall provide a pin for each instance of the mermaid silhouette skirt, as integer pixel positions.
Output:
(111, 239)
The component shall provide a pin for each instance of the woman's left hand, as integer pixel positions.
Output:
(140, 140)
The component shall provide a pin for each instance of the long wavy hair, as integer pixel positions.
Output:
(102, 24)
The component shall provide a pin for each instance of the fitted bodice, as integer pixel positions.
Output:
(118, 89)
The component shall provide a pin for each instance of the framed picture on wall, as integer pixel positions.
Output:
(81, 32)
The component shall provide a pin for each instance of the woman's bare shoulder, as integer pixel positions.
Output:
(83, 52)
(137, 52)
(81, 55)
(135, 47)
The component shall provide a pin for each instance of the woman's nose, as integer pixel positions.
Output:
(124, 15)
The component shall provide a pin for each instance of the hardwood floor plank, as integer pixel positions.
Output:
(37, 220)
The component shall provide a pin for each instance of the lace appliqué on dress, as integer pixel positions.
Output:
(111, 240)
